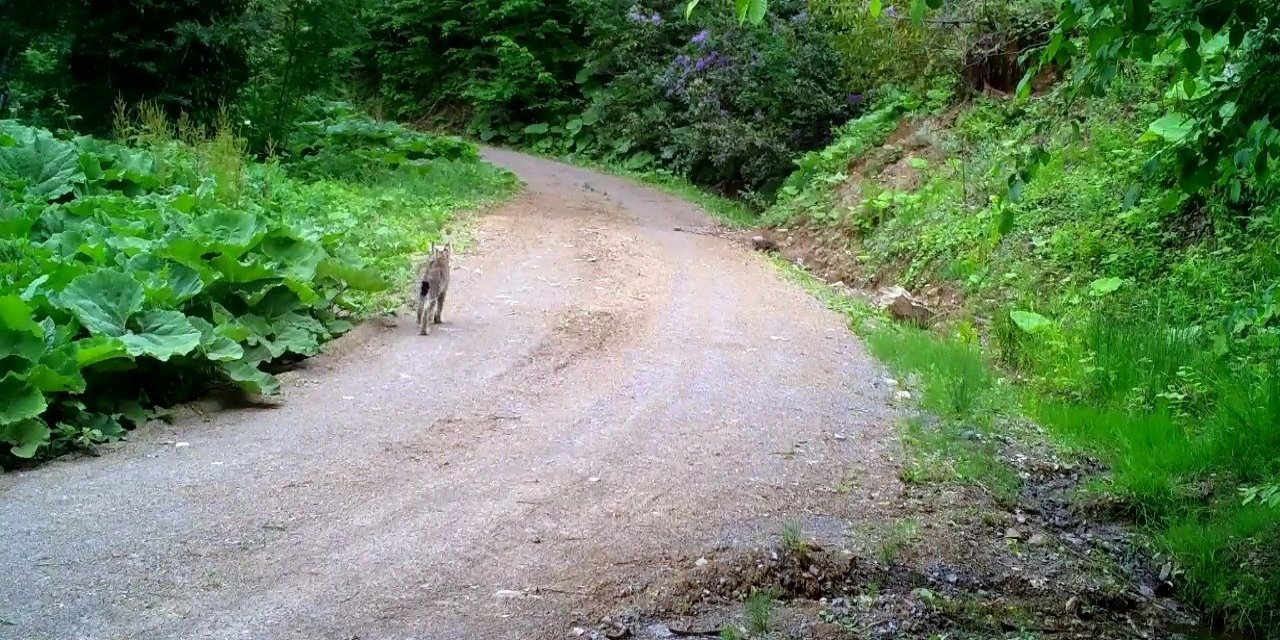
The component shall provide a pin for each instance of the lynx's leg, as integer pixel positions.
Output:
(424, 322)
(439, 307)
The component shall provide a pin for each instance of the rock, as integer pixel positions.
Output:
(904, 307)
(579, 631)
(618, 632)
(761, 243)
(507, 594)
(702, 562)
(1037, 539)
(1072, 606)
(840, 606)
(180, 445)
(1012, 534)
(659, 631)
(902, 395)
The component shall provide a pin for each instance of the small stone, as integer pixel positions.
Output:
(903, 306)
(507, 594)
(902, 395)
(578, 631)
(593, 479)
(702, 562)
(952, 578)
(761, 243)
(659, 631)
(180, 445)
(1012, 534)
(841, 437)
(1073, 605)
(1037, 539)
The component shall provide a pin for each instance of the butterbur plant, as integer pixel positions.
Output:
(128, 282)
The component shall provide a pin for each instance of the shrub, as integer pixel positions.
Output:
(184, 266)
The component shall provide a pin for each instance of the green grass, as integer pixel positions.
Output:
(793, 538)
(758, 611)
(1170, 379)
(390, 218)
(955, 384)
(902, 533)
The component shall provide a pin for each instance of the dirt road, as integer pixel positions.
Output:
(608, 400)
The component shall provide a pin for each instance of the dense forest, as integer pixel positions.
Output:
(1084, 187)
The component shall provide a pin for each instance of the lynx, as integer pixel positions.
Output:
(432, 287)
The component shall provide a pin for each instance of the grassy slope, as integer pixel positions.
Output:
(1167, 378)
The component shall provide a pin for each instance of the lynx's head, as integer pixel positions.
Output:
(439, 254)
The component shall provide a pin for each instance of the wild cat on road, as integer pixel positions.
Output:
(432, 287)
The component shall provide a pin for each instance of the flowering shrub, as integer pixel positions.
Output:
(725, 104)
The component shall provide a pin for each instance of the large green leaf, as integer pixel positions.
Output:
(1104, 286)
(1030, 321)
(1172, 128)
(22, 339)
(91, 351)
(49, 167)
(26, 437)
(297, 259)
(19, 399)
(103, 301)
(296, 339)
(356, 278)
(214, 345)
(236, 271)
(250, 378)
(59, 371)
(162, 334)
(228, 232)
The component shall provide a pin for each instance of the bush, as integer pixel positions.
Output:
(185, 266)
(487, 62)
(344, 143)
(76, 58)
(729, 106)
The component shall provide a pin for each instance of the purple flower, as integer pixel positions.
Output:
(635, 16)
(855, 98)
(701, 37)
(891, 12)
